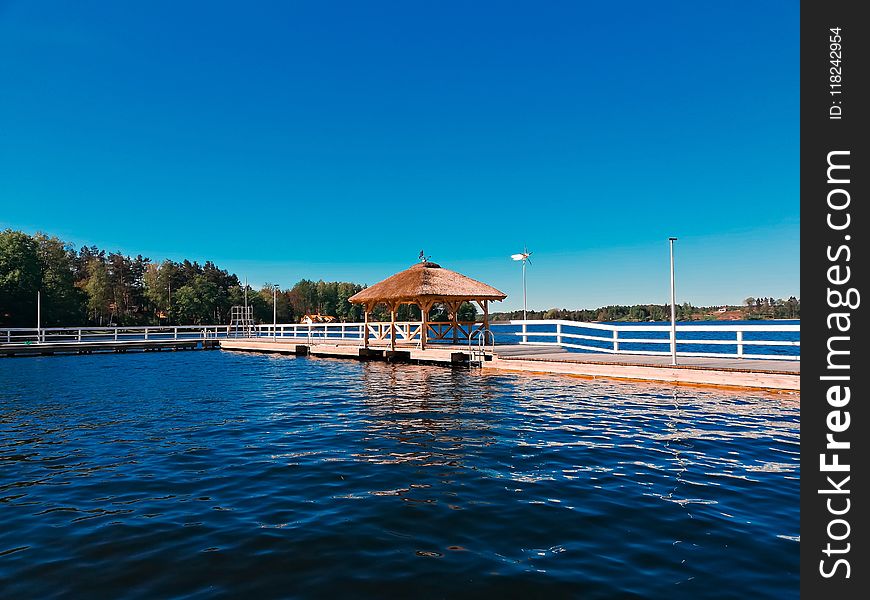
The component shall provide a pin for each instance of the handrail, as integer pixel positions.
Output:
(594, 337)
(90, 334)
(612, 341)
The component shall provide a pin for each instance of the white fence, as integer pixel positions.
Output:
(611, 338)
(378, 331)
(594, 337)
(405, 331)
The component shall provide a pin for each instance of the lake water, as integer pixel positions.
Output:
(209, 474)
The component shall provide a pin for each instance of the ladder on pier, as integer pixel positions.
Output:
(479, 343)
(241, 321)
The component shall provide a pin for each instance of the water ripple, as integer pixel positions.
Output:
(210, 474)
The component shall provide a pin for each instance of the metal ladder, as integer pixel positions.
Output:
(477, 349)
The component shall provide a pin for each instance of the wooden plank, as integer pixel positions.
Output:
(698, 376)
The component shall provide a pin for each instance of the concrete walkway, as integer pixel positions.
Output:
(723, 372)
(551, 354)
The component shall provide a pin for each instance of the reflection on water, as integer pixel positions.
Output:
(220, 473)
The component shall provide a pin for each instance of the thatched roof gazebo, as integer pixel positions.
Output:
(426, 284)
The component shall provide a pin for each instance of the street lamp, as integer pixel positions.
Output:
(673, 308)
(274, 312)
(523, 256)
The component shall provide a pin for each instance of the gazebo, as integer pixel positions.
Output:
(426, 284)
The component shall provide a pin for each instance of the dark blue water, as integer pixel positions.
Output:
(210, 474)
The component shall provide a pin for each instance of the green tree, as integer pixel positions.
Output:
(62, 301)
(467, 312)
(20, 278)
(197, 301)
(98, 287)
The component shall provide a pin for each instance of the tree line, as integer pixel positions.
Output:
(773, 308)
(90, 286)
(769, 309)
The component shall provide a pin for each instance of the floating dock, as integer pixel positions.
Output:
(783, 375)
(445, 355)
(723, 372)
(747, 373)
(89, 347)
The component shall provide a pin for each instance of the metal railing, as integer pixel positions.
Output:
(377, 331)
(78, 335)
(405, 331)
(775, 341)
(640, 339)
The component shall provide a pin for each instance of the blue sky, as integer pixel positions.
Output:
(336, 140)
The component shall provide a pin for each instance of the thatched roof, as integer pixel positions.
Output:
(427, 281)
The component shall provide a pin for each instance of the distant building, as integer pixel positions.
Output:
(723, 309)
(318, 318)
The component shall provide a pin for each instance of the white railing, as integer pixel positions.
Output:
(312, 332)
(378, 331)
(594, 337)
(77, 335)
(612, 338)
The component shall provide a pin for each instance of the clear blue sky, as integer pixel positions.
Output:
(336, 140)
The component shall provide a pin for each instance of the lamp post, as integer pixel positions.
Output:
(673, 308)
(245, 320)
(274, 312)
(524, 290)
(524, 257)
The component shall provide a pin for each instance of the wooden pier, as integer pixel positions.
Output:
(722, 372)
(732, 373)
(396, 343)
(90, 347)
(445, 354)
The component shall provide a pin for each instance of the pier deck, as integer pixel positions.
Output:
(337, 348)
(729, 372)
(736, 373)
(89, 347)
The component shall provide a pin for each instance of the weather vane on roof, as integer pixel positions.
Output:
(423, 257)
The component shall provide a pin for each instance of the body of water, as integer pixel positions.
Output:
(208, 474)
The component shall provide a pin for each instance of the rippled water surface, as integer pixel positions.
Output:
(205, 474)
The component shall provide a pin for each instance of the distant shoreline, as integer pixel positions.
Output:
(728, 316)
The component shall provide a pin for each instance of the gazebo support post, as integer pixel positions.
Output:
(366, 327)
(453, 307)
(392, 326)
(484, 304)
(424, 319)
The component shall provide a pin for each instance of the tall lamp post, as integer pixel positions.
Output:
(274, 312)
(673, 308)
(248, 322)
(523, 256)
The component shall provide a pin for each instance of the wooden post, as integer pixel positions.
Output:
(453, 307)
(366, 327)
(424, 318)
(485, 315)
(392, 326)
